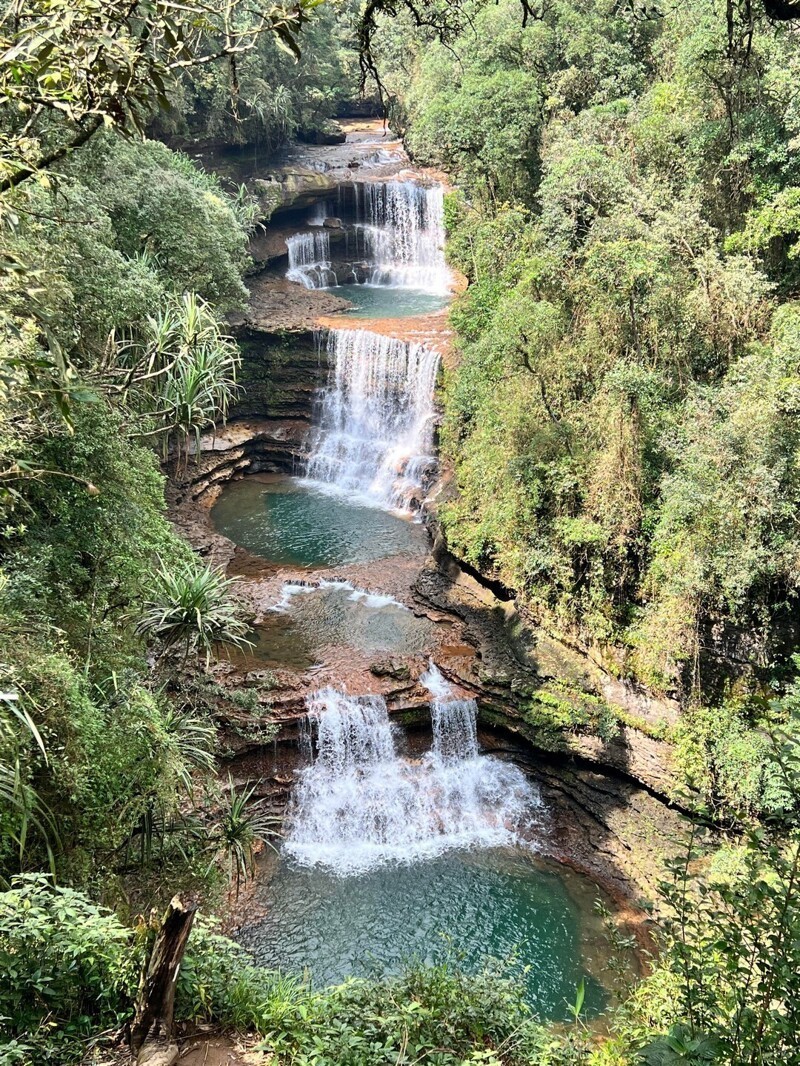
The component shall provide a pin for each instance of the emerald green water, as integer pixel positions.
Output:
(475, 905)
(285, 520)
(381, 301)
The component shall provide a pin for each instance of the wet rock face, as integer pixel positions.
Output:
(395, 668)
(556, 702)
(333, 134)
(290, 188)
(279, 375)
(279, 306)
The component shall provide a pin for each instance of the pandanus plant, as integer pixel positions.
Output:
(185, 367)
(241, 824)
(191, 608)
(22, 813)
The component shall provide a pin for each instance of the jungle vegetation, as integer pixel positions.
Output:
(622, 420)
(622, 424)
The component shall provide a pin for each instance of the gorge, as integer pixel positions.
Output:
(399, 555)
(391, 774)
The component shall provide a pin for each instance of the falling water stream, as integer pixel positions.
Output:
(374, 436)
(391, 860)
(395, 240)
(361, 803)
(387, 851)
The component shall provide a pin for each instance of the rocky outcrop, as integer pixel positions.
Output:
(331, 133)
(293, 187)
(549, 696)
(280, 306)
(279, 376)
(268, 247)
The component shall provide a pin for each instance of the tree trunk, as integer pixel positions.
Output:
(151, 1032)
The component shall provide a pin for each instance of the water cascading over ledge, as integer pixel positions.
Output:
(400, 232)
(375, 421)
(310, 260)
(396, 240)
(361, 804)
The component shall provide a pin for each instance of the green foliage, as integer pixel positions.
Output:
(168, 216)
(23, 813)
(83, 966)
(183, 364)
(678, 1047)
(733, 948)
(727, 754)
(621, 416)
(111, 337)
(68, 969)
(278, 96)
(241, 824)
(118, 753)
(559, 711)
(61, 66)
(433, 1014)
(86, 558)
(191, 608)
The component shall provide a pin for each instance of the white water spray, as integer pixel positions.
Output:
(397, 240)
(374, 435)
(360, 804)
(400, 233)
(454, 721)
(310, 260)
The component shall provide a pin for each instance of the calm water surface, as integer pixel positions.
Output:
(476, 904)
(374, 301)
(289, 521)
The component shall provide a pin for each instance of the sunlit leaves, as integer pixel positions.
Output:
(70, 67)
(191, 607)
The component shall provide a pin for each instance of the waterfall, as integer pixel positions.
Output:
(310, 260)
(374, 434)
(360, 804)
(397, 239)
(400, 232)
(318, 212)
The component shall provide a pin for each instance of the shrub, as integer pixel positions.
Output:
(68, 968)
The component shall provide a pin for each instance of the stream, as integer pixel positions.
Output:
(400, 845)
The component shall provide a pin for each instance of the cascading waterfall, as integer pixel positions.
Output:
(310, 260)
(400, 233)
(360, 804)
(454, 721)
(318, 212)
(374, 433)
(398, 240)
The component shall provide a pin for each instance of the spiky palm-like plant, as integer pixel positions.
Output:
(191, 607)
(193, 740)
(22, 812)
(242, 823)
(183, 367)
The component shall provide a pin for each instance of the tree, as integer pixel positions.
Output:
(70, 69)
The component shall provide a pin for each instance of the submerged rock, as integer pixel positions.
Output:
(395, 668)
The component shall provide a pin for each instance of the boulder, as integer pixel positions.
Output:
(395, 668)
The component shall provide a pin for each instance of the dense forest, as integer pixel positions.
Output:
(620, 434)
